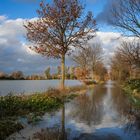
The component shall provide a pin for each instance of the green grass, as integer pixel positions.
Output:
(8, 126)
(31, 107)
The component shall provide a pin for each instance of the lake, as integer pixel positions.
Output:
(102, 113)
(30, 86)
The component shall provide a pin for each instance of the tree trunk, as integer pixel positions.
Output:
(93, 75)
(130, 72)
(63, 72)
(63, 122)
(120, 75)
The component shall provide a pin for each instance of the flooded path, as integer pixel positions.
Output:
(103, 113)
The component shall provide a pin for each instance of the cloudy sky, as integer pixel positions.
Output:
(14, 51)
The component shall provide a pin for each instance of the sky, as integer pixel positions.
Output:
(14, 51)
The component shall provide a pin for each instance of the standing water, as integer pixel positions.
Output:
(102, 113)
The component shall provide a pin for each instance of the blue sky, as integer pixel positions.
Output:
(18, 9)
(14, 50)
(26, 9)
(14, 9)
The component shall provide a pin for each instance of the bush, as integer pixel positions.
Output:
(8, 127)
(9, 105)
(133, 84)
(132, 88)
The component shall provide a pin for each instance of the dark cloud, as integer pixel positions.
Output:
(105, 14)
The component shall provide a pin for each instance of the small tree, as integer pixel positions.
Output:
(72, 75)
(47, 73)
(81, 74)
(101, 71)
(67, 72)
(60, 26)
(58, 70)
(17, 75)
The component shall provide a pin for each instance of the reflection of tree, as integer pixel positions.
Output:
(133, 127)
(87, 136)
(63, 133)
(88, 108)
(56, 132)
(125, 109)
(53, 133)
(120, 101)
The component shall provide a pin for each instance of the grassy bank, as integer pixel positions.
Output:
(31, 107)
(132, 88)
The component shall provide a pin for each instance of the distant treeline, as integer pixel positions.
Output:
(70, 73)
(19, 75)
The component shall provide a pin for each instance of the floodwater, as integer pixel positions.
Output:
(102, 113)
(31, 86)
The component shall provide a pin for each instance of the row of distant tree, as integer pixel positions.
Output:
(69, 73)
(19, 75)
(79, 72)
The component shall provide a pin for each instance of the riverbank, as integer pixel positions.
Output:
(132, 88)
(32, 107)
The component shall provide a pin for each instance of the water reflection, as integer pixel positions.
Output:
(103, 113)
(56, 132)
(88, 108)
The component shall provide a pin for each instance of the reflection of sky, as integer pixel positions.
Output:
(32, 86)
(112, 125)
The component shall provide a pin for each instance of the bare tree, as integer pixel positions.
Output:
(95, 56)
(60, 26)
(126, 58)
(89, 57)
(130, 52)
(125, 14)
(119, 68)
(81, 58)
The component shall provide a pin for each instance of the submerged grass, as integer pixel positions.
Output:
(132, 88)
(31, 107)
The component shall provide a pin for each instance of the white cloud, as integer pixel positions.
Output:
(109, 41)
(2, 18)
(12, 28)
(14, 49)
(16, 55)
